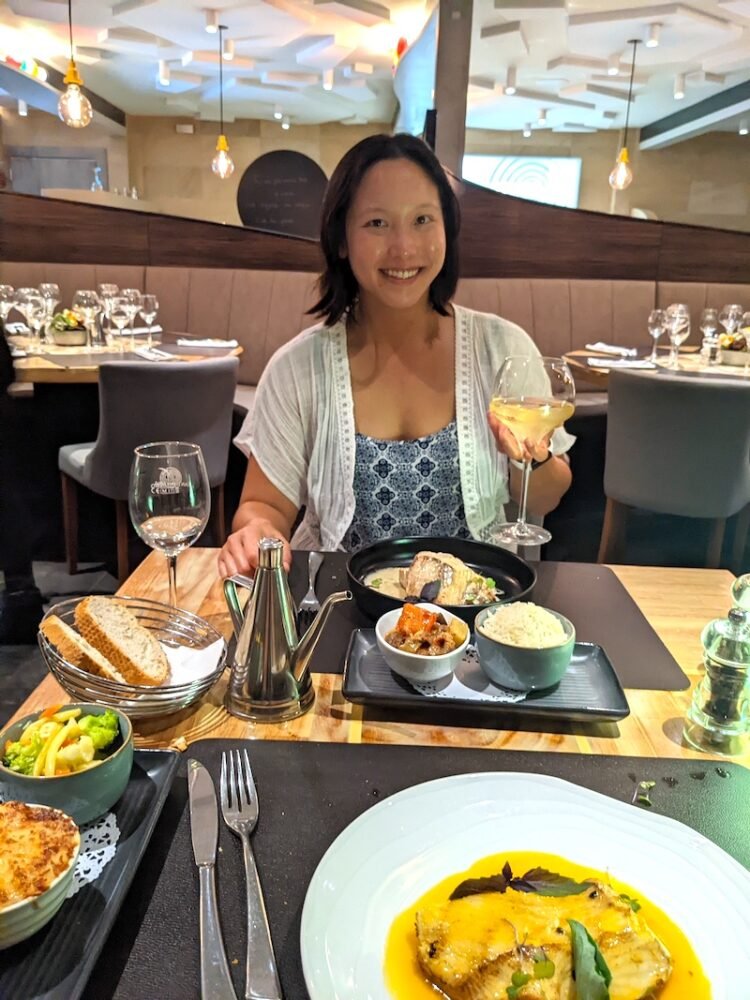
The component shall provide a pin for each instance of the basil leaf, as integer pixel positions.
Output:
(476, 886)
(548, 883)
(590, 971)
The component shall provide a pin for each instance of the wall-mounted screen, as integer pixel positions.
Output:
(555, 180)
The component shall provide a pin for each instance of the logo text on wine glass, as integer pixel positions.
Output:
(170, 481)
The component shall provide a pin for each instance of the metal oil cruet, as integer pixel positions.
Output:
(718, 719)
(270, 680)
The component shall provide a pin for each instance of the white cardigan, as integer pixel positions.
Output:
(301, 429)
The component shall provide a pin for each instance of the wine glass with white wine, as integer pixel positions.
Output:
(169, 499)
(531, 397)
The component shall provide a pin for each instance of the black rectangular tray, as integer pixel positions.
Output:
(55, 963)
(589, 691)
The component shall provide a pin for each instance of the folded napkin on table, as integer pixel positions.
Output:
(206, 342)
(621, 352)
(16, 352)
(16, 328)
(619, 363)
(152, 354)
(136, 330)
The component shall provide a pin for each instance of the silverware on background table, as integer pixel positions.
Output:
(309, 606)
(216, 981)
(239, 807)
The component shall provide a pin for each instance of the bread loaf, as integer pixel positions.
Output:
(74, 648)
(114, 630)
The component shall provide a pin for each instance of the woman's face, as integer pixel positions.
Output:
(395, 237)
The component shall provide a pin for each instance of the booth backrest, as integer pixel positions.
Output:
(265, 309)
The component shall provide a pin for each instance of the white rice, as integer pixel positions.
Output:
(524, 625)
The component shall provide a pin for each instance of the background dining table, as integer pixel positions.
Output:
(676, 602)
(690, 362)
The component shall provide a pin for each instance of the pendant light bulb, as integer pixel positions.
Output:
(74, 108)
(222, 163)
(621, 176)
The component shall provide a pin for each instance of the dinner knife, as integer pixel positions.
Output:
(216, 981)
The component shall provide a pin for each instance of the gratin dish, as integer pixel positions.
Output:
(84, 795)
(177, 631)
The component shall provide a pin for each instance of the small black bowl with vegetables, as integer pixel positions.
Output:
(76, 758)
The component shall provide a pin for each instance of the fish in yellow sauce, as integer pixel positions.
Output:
(664, 944)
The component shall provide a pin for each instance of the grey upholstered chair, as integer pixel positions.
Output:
(149, 401)
(677, 445)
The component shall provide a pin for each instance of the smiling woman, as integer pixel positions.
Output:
(375, 420)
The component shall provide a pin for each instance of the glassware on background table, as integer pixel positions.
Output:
(31, 305)
(107, 292)
(132, 303)
(88, 305)
(7, 301)
(710, 330)
(169, 499)
(730, 317)
(119, 315)
(656, 327)
(50, 292)
(149, 310)
(531, 396)
(678, 327)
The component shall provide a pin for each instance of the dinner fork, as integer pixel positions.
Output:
(239, 807)
(309, 606)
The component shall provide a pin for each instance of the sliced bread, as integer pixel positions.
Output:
(115, 631)
(74, 648)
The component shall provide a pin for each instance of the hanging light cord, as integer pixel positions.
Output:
(70, 26)
(634, 42)
(221, 79)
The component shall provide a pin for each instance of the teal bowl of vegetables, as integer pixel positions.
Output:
(76, 758)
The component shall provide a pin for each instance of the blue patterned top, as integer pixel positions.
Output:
(407, 488)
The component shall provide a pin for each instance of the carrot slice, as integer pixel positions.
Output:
(49, 712)
(414, 619)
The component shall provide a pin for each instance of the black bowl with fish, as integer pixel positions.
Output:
(378, 572)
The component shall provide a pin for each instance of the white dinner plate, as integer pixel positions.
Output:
(397, 850)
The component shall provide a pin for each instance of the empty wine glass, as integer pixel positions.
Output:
(169, 499)
(7, 301)
(132, 299)
(531, 396)
(119, 314)
(709, 328)
(50, 292)
(149, 309)
(87, 304)
(31, 304)
(107, 291)
(730, 317)
(656, 327)
(678, 326)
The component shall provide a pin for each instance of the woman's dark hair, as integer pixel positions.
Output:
(337, 285)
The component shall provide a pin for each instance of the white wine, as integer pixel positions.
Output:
(172, 533)
(531, 419)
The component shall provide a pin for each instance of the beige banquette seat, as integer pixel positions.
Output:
(264, 309)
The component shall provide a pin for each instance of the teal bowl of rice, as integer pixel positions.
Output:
(522, 646)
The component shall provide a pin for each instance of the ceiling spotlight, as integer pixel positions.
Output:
(510, 81)
(652, 38)
(527, 130)
(613, 64)
(679, 86)
(285, 123)
(227, 50)
(23, 109)
(212, 21)
(542, 119)
(163, 75)
(742, 130)
(327, 79)
(277, 113)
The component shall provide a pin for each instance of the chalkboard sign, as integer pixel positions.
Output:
(281, 192)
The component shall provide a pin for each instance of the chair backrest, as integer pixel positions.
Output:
(153, 401)
(678, 444)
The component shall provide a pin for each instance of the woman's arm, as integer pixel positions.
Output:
(264, 512)
(547, 484)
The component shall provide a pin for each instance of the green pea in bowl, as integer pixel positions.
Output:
(85, 794)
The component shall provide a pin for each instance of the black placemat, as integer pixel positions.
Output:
(308, 793)
(591, 596)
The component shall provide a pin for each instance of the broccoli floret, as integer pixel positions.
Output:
(21, 757)
(101, 728)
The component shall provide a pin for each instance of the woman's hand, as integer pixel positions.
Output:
(508, 444)
(240, 551)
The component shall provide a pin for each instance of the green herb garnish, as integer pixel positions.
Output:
(632, 903)
(590, 970)
(376, 583)
(538, 880)
(544, 970)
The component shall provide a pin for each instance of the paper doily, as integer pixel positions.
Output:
(98, 845)
(469, 683)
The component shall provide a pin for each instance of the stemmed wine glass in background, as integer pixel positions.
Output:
(119, 315)
(710, 329)
(132, 301)
(50, 292)
(87, 304)
(107, 292)
(149, 310)
(169, 499)
(7, 301)
(730, 317)
(678, 326)
(31, 304)
(531, 396)
(656, 327)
